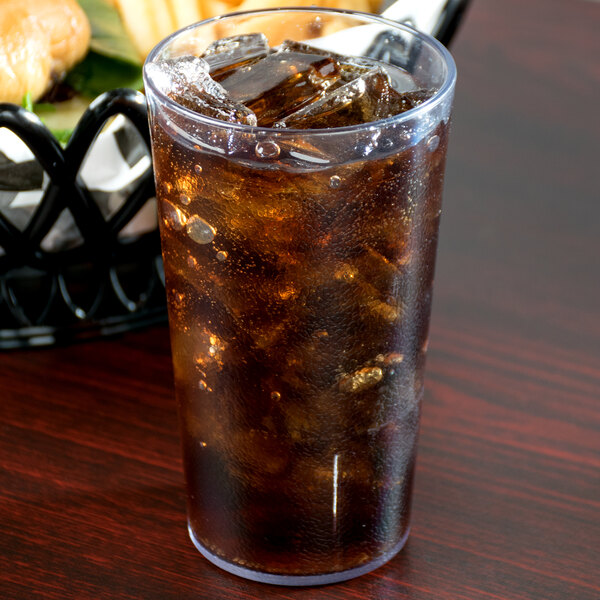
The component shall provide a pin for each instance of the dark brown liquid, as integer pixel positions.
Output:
(299, 306)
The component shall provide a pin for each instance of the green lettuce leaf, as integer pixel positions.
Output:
(112, 61)
(98, 74)
(60, 118)
(27, 102)
(109, 37)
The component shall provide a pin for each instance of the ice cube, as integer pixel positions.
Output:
(175, 75)
(353, 70)
(369, 97)
(361, 380)
(341, 106)
(408, 100)
(303, 48)
(377, 269)
(280, 83)
(181, 70)
(234, 52)
(350, 67)
(186, 81)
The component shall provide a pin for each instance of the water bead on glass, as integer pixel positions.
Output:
(433, 143)
(199, 230)
(173, 216)
(267, 150)
(335, 181)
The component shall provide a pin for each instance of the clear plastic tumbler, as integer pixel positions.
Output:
(299, 267)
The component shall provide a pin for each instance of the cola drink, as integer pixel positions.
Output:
(299, 217)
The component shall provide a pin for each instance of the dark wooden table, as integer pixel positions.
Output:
(507, 498)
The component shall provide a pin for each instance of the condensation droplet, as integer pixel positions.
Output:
(200, 231)
(192, 262)
(202, 385)
(433, 142)
(267, 150)
(185, 200)
(172, 216)
(197, 169)
(275, 396)
(335, 181)
(221, 255)
(167, 187)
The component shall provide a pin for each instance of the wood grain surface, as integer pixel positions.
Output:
(507, 497)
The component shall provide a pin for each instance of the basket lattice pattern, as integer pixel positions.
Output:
(105, 284)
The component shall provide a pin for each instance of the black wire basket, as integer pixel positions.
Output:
(73, 265)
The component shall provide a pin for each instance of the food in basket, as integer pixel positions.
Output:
(55, 50)
(39, 42)
(149, 21)
(55, 57)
